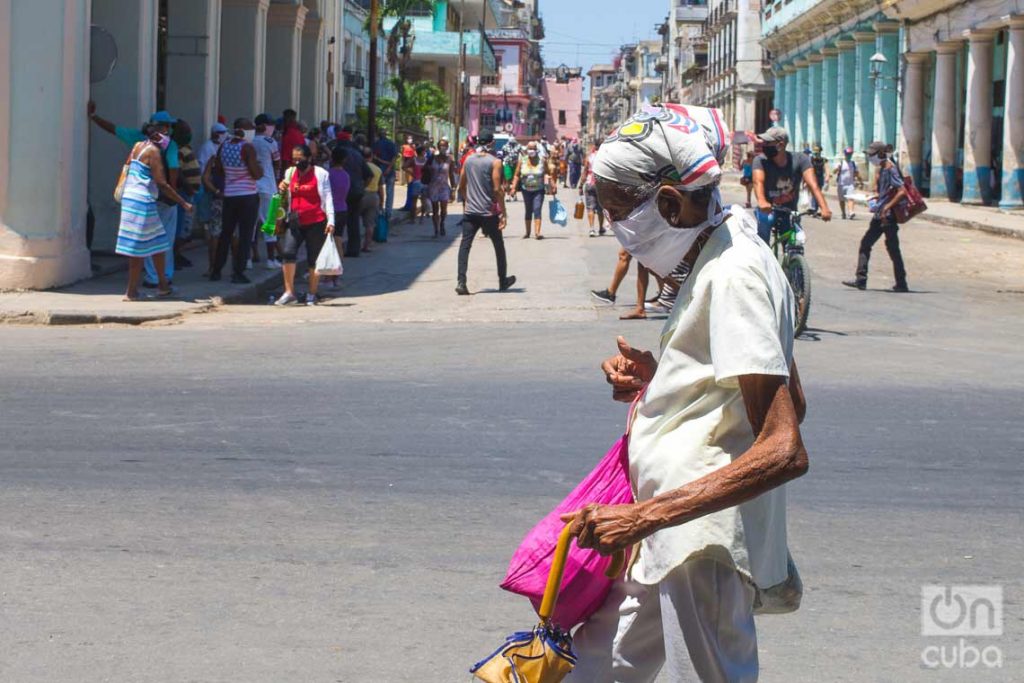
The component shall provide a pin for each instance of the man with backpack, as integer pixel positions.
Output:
(889, 192)
(847, 177)
(777, 178)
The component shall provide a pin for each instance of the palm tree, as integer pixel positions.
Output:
(401, 36)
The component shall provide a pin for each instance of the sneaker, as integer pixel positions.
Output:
(900, 289)
(593, 233)
(214, 276)
(855, 284)
(271, 264)
(239, 279)
(248, 264)
(461, 289)
(656, 308)
(285, 299)
(602, 232)
(311, 299)
(507, 284)
(603, 295)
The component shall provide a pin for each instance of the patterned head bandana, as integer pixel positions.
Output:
(665, 144)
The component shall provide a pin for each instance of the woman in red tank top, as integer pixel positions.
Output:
(310, 220)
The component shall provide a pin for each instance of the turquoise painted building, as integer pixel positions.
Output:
(941, 80)
(439, 35)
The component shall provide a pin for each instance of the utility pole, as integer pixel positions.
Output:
(460, 94)
(480, 80)
(371, 125)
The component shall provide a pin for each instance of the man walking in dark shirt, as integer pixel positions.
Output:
(889, 192)
(481, 184)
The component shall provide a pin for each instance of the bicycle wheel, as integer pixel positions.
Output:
(799, 276)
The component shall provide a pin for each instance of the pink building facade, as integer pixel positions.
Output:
(563, 99)
(501, 103)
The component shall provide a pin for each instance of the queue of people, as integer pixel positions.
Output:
(225, 190)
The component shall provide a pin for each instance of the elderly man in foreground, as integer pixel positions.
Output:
(715, 433)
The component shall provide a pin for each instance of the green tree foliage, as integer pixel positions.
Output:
(422, 99)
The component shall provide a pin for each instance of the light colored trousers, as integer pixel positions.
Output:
(697, 624)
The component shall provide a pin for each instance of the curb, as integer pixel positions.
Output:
(250, 294)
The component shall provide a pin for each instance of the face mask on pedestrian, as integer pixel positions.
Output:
(876, 159)
(163, 140)
(302, 164)
(217, 138)
(849, 156)
(655, 242)
(532, 153)
(770, 151)
(248, 135)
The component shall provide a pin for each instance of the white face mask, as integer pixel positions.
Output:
(875, 160)
(659, 246)
(248, 135)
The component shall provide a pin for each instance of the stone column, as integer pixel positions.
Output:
(798, 136)
(978, 126)
(864, 103)
(44, 87)
(193, 58)
(127, 97)
(1013, 119)
(886, 43)
(778, 98)
(312, 76)
(814, 98)
(789, 113)
(911, 144)
(830, 96)
(847, 98)
(243, 40)
(944, 122)
(284, 63)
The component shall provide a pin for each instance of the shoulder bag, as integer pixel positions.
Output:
(119, 187)
(911, 205)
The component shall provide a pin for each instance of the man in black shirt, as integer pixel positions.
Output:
(777, 178)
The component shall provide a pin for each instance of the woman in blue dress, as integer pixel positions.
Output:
(141, 233)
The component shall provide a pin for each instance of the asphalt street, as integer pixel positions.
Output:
(333, 493)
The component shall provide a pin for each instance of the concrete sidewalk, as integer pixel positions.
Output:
(409, 278)
(944, 212)
(98, 300)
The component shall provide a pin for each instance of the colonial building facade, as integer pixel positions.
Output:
(197, 59)
(942, 80)
(738, 77)
(509, 100)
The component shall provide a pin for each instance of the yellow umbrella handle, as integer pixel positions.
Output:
(547, 604)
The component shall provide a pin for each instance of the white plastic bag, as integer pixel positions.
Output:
(329, 260)
(804, 203)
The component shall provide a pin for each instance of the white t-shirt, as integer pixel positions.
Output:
(267, 152)
(846, 172)
(733, 316)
